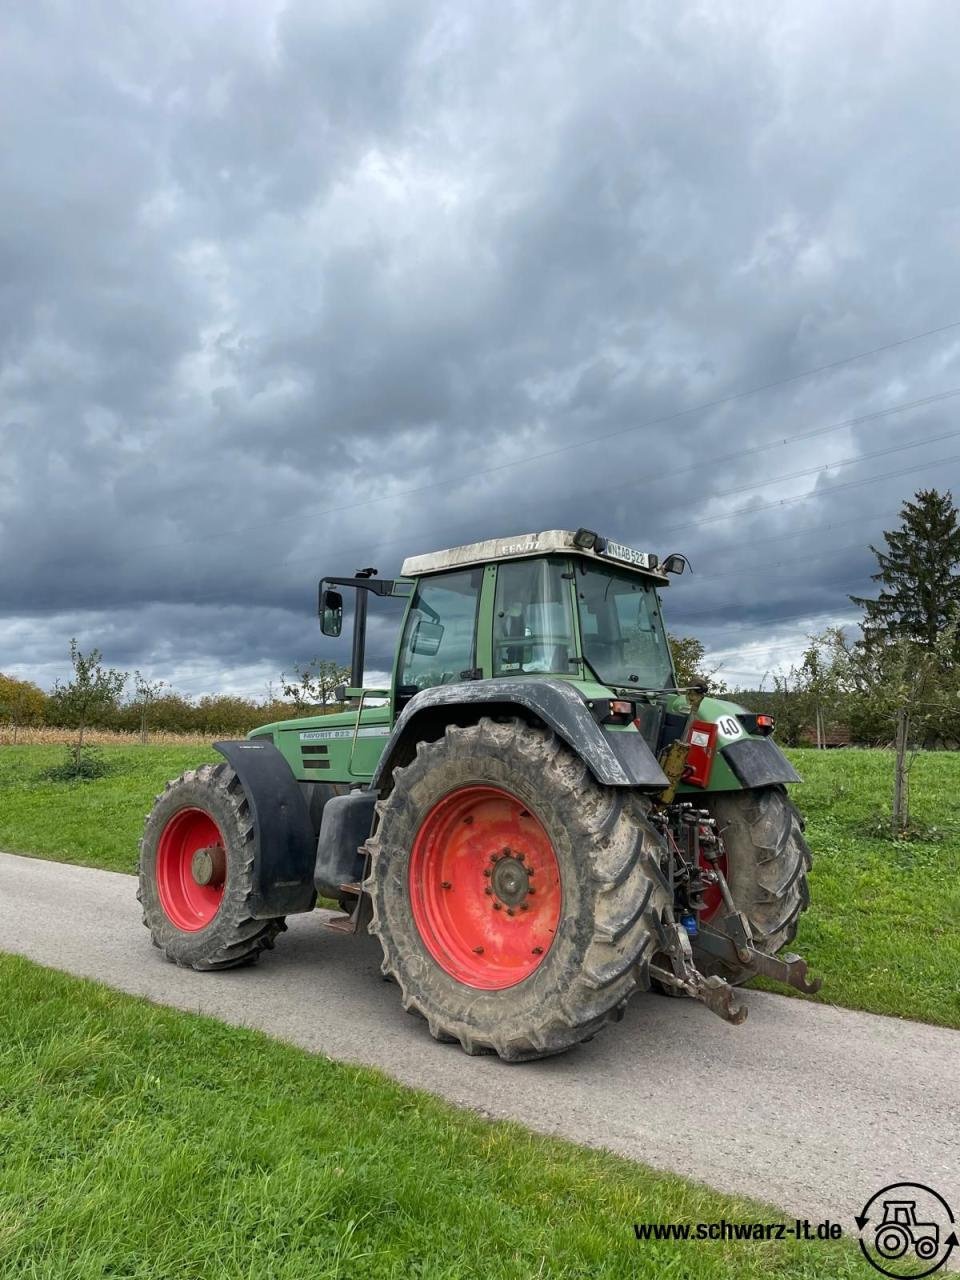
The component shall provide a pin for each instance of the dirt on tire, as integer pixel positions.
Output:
(767, 864)
(233, 937)
(614, 891)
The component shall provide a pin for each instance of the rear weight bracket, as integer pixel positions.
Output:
(791, 970)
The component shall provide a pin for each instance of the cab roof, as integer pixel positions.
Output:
(583, 542)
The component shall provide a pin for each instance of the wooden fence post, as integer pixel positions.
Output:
(901, 802)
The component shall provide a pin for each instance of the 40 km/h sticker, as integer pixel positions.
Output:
(730, 726)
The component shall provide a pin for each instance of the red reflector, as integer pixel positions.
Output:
(765, 724)
(703, 742)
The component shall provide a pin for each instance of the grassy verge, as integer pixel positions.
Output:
(95, 824)
(882, 925)
(881, 928)
(142, 1143)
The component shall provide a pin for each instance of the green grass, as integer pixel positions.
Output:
(882, 925)
(142, 1143)
(95, 824)
(881, 929)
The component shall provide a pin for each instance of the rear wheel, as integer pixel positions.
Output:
(767, 860)
(196, 873)
(516, 899)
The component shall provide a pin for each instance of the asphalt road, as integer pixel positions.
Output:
(806, 1106)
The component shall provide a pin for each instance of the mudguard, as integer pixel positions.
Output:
(616, 759)
(285, 847)
(758, 762)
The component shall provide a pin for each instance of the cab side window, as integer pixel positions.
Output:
(439, 639)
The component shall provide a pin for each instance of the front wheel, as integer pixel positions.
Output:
(196, 873)
(767, 860)
(516, 899)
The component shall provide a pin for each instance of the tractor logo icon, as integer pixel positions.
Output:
(907, 1230)
(900, 1229)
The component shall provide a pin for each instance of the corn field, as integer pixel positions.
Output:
(50, 736)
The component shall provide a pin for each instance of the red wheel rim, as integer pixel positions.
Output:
(188, 904)
(485, 887)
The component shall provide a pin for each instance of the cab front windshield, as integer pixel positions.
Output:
(621, 628)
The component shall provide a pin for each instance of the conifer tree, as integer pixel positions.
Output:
(919, 574)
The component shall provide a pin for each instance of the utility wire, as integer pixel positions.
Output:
(475, 473)
(805, 497)
(705, 464)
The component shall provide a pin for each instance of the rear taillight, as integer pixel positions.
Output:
(619, 711)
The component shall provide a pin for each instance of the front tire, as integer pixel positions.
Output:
(516, 899)
(767, 864)
(196, 873)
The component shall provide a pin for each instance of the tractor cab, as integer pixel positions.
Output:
(562, 604)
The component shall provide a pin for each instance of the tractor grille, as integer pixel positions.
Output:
(314, 755)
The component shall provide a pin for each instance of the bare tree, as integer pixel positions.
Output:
(94, 688)
(146, 694)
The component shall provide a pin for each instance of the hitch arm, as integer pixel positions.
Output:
(735, 948)
(683, 976)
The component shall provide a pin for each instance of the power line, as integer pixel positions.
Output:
(805, 497)
(593, 440)
(701, 465)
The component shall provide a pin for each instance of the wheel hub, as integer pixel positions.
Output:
(209, 865)
(510, 880)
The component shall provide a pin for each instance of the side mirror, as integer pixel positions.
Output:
(426, 638)
(331, 612)
(675, 563)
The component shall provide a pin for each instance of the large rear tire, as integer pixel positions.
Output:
(767, 864)
(196, 873)
(516, 899)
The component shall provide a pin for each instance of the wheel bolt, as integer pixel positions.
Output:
(468, 819)
(478, 951)
(498, 906)
(524, 906)
(538, 951)
(531, 889)
(510, 911)
(445, 884)
(488, 872)
(488, 889)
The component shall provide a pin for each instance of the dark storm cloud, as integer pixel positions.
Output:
(287, 289)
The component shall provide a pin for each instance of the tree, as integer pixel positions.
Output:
(910, 690)
(313, 685)
(146, 694)
(688, 660)
(21, 703)
(93, 691)
(919, 573)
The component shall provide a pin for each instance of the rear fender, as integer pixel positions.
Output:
(616, 759)
(741, 760)
(285, 846)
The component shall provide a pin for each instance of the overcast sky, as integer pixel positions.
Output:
(294, 288)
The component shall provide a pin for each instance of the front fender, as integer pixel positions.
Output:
(616, 759)
(284, 845)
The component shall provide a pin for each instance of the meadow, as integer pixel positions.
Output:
(143, 1143)
(882, 925)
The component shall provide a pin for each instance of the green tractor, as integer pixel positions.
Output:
(533, 819)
